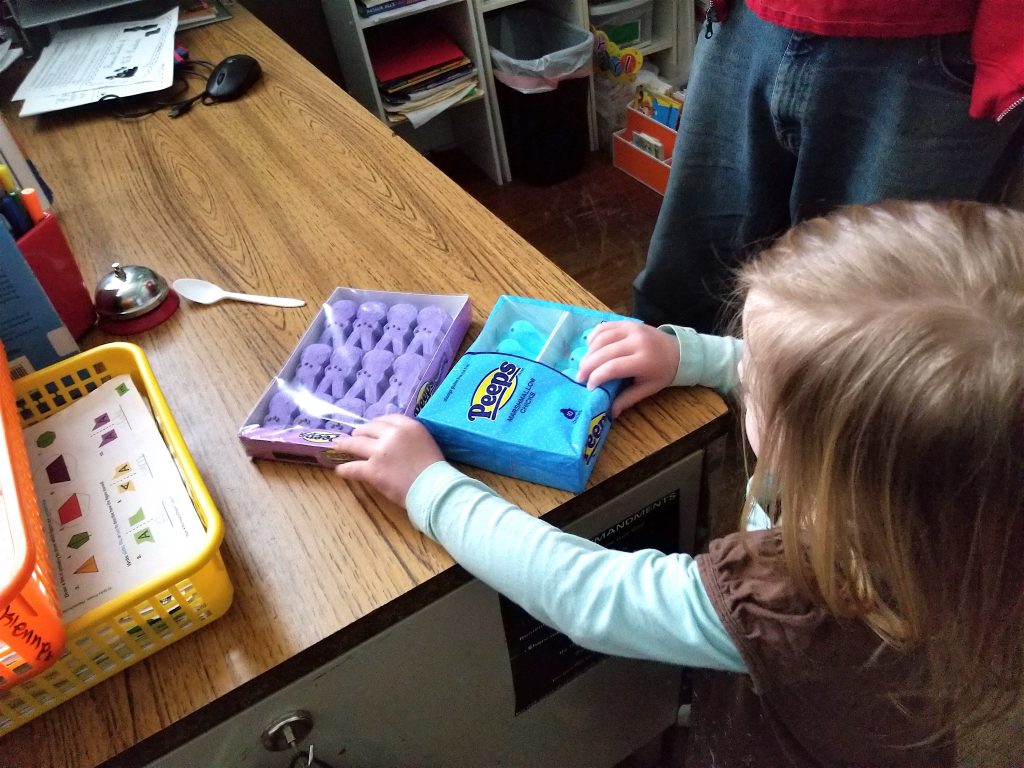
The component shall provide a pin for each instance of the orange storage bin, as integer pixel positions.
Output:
(31, 629)
(639, 164)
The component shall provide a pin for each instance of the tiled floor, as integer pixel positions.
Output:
(595, 225)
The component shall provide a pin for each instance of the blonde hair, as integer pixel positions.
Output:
(887, 359)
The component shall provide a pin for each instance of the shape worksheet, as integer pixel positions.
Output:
(114, 506)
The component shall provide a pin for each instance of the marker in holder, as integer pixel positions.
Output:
(49, 256)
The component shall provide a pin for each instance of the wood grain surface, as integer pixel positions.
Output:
(292, 190)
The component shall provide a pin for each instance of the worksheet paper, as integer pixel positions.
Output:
(115, 510)
(84, 64)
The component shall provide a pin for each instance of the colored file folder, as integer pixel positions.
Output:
(402, 50)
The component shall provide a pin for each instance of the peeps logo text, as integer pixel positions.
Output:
(423, 395)
(493, 391)
(319, 437)
(597, 425)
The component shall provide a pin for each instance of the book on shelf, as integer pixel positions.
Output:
(434, 95)
(649, 144)
(196, 13)
(431, 87)
(428, 78)
(373, 7)
(420, 111)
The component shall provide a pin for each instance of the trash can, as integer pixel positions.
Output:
(540, 65)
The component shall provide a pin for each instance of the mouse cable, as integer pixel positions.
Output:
(182, 72)
(179, 109)
(184, 106)
(122, 103)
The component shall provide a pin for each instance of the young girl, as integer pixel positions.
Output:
(874, 602)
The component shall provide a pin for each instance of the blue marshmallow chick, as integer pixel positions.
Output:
(575, 356)
(523, 339)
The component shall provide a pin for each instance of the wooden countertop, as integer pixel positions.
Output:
(293, 190)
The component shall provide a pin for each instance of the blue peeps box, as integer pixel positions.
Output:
(511, 403)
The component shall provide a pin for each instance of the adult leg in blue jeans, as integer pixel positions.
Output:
(782, 125)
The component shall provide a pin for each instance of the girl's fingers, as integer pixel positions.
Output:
(381, 426)
(357, 445)
(352, 470)
(606, 333)
(369, 429)
(393, 419)
(630, 397)
(616, 368)
(595, 358)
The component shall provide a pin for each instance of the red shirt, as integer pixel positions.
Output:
(997, 40)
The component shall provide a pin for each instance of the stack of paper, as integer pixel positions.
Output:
(420, 71)
(86, 64)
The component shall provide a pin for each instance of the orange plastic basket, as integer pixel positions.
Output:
(31, 630)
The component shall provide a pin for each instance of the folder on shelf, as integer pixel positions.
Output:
(430, 89)
(403, 50)
(419, 70)
(429, 77)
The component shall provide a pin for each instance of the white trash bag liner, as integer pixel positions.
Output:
(531, 51)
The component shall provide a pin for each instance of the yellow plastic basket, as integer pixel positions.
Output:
(139, 622)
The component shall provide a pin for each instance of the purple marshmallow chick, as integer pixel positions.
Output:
(431, 323)
(397, 328)
(280, 411)
(308, 421)
(405, 376)
(366, 328)
(375, 367)
(338, 319)
(349, 414)
(381, 408)
(340, 372)
(311, 366)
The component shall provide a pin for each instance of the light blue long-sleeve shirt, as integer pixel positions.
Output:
(645, 605)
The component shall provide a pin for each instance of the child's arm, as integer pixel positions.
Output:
(643, 605)
(704, 360)
(655, 358)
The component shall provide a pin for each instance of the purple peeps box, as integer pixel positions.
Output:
(365, 354)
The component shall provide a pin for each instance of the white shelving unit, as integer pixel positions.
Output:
(469, 124)
(475, 125)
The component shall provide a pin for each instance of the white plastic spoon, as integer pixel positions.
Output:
(207, 293)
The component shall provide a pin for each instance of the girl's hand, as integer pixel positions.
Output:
(388, 453)
(629, 350)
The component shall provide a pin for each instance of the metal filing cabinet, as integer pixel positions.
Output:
(470, 680)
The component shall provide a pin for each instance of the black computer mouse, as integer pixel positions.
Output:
(233, 77)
